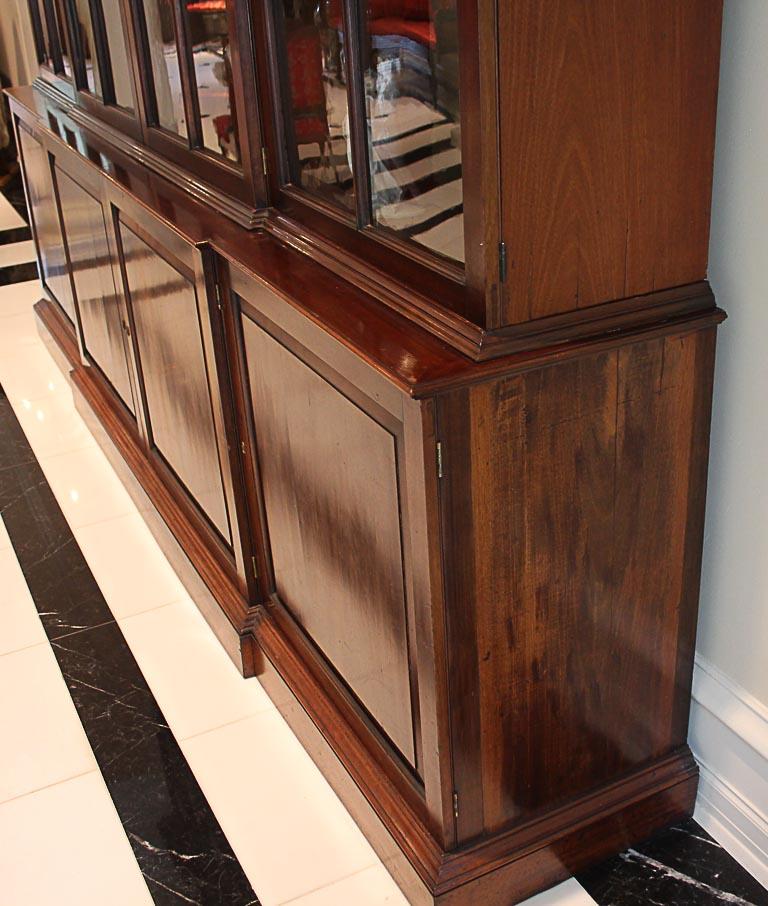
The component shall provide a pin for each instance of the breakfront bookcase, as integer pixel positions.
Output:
(393, 316)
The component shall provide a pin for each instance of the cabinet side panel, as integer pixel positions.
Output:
(584, 523)
(607, 141)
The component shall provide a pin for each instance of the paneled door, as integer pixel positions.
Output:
(330, 483)
(45, 221)
(101, 316)
(174, 372)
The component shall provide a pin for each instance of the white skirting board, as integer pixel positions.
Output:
(729, 738)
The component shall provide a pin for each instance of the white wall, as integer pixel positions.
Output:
(733, 628)
(729, 716)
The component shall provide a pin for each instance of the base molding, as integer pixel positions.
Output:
(729, 739)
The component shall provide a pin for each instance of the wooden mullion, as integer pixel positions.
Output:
(243, 73)
(101, 50)
(76, 56)
(188, 81)
(54, 37)
(358, 120)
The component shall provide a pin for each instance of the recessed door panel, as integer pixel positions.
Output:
(330, 482)
(173, 366)
(42, 199)
(83, 220)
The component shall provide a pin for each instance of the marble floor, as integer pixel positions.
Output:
(122, 757)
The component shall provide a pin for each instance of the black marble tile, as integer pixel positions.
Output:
(18, 273)
(679, 866)
(16, 234)
(179, 845)
(67, 596)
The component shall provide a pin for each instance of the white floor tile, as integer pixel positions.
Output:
(38, 717)
(129, 567)
(5, 541)
(86, 488)
(290, 832)
(17, 253)
(65, 845)
(372, 887)
(28, 372)
(195, 683)
(18, 298)
(53, 425)
(20, 626)
(569, 893)
(10, 219)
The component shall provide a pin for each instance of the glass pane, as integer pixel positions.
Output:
(316, 105)
(208, 22)
(118, 53)
(164, 56)
(88, 45)
(411, 54)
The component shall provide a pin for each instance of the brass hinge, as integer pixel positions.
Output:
(439, 451)
(264, 160)
(218, 296)
(502, 262)
(242, 447)
(455, 804)
(126, 328)
(255, 570)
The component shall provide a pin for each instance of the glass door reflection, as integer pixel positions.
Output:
(411, 59)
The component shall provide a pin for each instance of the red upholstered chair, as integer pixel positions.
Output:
(305, 66)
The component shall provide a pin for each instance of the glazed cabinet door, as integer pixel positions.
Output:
(102, 317)
(44, 211)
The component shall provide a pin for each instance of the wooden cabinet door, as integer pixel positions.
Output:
(101, 316)
(330, 482)
(179, 410)
(44, 211)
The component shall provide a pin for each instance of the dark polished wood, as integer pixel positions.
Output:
(330, 479)
(101, 313)
(451, 515)
(46, 227)
(572, 480)
(608, 151)
(163, 306)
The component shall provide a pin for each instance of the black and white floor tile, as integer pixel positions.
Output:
(17, 250)
(123, 758)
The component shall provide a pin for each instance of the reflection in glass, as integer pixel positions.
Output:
(317, 103)
(208, 23)
(414, 125)
(118, 54)
(164, 55)
(88, 45)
